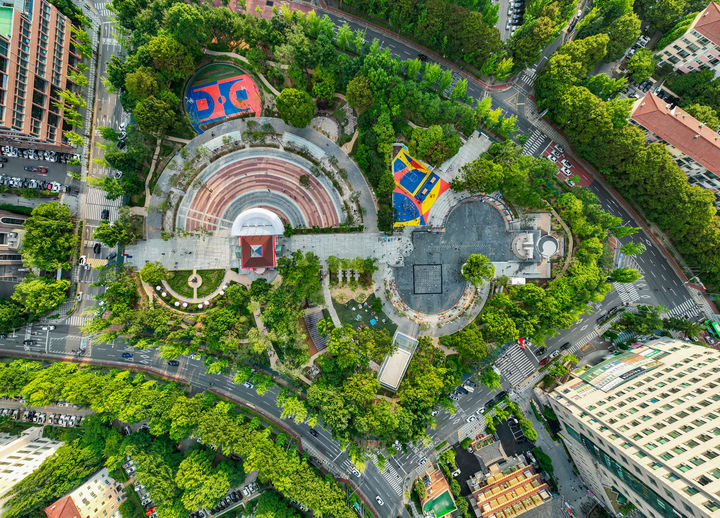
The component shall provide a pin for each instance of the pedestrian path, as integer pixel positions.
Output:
(536, 144)
(528, 76)
(95, 202)
(688, 307)
(627, 292)
(515, 365)
(393, 479)
(78, 320)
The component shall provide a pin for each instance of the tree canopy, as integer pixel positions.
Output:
(49, 238)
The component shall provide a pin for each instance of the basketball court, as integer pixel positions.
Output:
(417, 188)
(221, 91)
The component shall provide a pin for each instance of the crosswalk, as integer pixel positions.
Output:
(688, 307)
(106, 13)
(528, 76)
(627, 292)
(393, 478)
(515, 365)
(78, 320)
(95, 202)
(535, 144)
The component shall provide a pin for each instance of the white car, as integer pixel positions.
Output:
(248, 385)
(566, 171)
(554, 354)
(434, 413)
(560, 148)
(423, 461)
(456, 473)
(566, 163)
(569, 182)
(553, 158)
(379, 500)
(471, 418)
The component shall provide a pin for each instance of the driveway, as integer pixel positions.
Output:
(468, 464)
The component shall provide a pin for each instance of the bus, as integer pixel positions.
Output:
(713, 328)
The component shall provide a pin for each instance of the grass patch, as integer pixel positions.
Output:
(211, 280)
(365, 313)
(178, 282)
(18, 209)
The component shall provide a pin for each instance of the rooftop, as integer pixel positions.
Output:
(708, 23)
(680, 129)
(510, 492)
(63, 508)
(394, 367)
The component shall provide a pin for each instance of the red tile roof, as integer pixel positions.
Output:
(708, 23)
(257, 252)
(63, 508)
(680, 129)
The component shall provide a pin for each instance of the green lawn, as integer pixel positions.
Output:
(348, 316)
(212, 279)
(178, 282)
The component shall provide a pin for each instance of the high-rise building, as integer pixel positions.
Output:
(694, 145)
(36, 55)
(698, 48)
(99, 497)
(643, 428)
(21, 455)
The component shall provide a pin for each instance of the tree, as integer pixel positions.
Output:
(477, 269)
(295, 107)
(504, 68)
(359, 94)
(704, 114)
(623, 32)
(434, 144)
(460, 90)
(445, 81)
(170, 57)
(75, 139)
(10, 316)
(154, 116)
(625, 275)
(419, 489)
(38, 295)
(49, 237)
(633, 248)
(153, 273)
(533, 39)
(323, 85)
(660, 13)
(123, 231)
(641, 65)
(490, 378)
(202, 486)
(142, 83)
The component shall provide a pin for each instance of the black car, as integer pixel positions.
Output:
(471, 383)
(565, 346)
(29, 342)
(3, 159)
(97, 248)
(105, 214)
(313, 432)
(112, 256)
(422, 57)
(541, 351)
(173, 363)
(462, 390)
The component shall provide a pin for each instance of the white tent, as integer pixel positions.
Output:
(257, 222)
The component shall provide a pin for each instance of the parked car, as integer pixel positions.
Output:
(544, 361)
(248, 385)
(35, 169)
(554, 354)
(462, 390)
(566, 163)
(566, 171)
(569, 182)
(173, 363)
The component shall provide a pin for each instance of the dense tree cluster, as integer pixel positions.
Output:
(645, 173)
(617, 19)
(178, 485)
(543, 21)
(458, 30)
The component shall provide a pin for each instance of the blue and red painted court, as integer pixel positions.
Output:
(221, 91)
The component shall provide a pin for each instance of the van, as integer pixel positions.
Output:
(468, 388)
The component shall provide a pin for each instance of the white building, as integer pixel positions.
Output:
(699, 47)
(21, 455)
(645, 426)
(99, 497)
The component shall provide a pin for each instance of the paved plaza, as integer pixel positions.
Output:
(430, 279)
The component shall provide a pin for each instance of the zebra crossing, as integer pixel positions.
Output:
(627, 292)
(528, 76)
(106, 13)
(393, 478)
(689, 307)
(95, 202)
(78, 320)
(535, 144)
(515, 365)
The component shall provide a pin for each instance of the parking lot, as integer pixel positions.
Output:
(568, 167)
(510, 17)
(57, 171)
(512, 439)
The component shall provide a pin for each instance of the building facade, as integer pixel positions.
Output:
(36, 53)
(643, 428)
(99, 497)
(699, 47)
(694, 146)
(21, 455)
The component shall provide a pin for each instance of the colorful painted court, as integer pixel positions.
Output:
(221, 91)
(417, 188)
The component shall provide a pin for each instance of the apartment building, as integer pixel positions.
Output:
(508, 492)
(21, 455)
(694, 146)
(699, 47)
(643, 427)
(36, 54)
(99, 497)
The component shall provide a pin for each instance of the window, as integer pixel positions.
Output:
(697, 461)
(691, 443)
(691, 490)
(710, 454)
(684, 468)
(666, 456)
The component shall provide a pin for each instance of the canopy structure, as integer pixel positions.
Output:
(257, 222)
